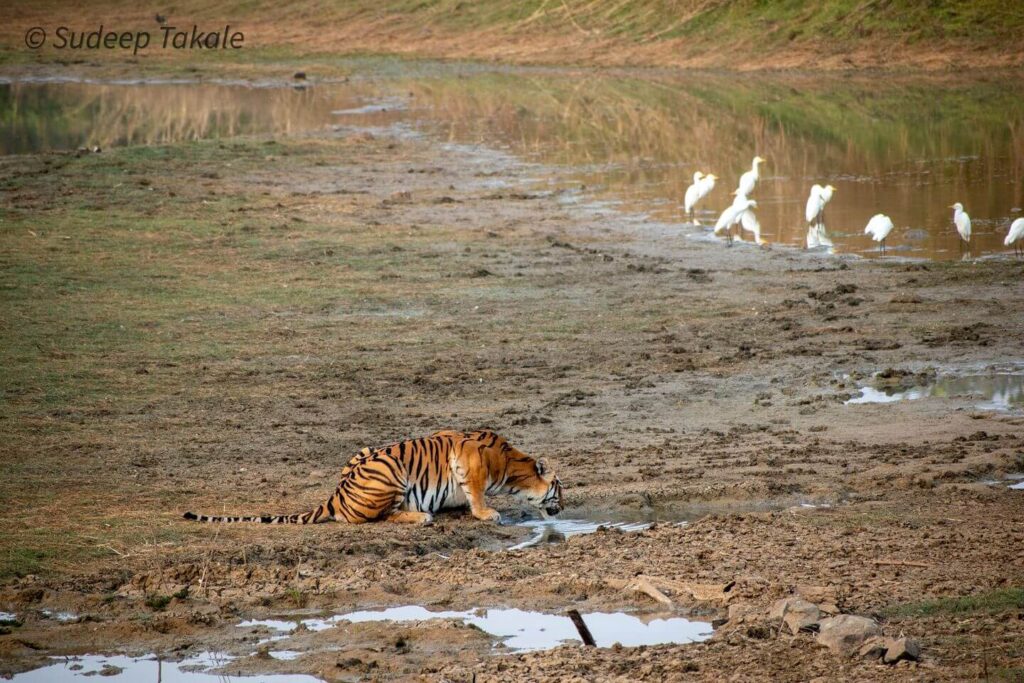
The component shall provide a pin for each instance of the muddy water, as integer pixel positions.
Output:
(524, 631)
(908, 148)
(146, 670)
(588, 520)
(1002, 391)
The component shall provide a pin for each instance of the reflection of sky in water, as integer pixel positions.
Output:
(1001, 391)
(522, 631)
(908, 148)
(91, 668)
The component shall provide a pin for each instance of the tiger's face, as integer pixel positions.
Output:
(531, 479)
(550, 500)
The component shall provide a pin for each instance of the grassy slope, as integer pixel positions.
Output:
(711, 33)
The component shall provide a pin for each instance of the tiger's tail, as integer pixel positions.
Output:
(321, 513)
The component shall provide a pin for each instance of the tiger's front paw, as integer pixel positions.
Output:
(487, 515)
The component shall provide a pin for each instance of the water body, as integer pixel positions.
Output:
(523, 631)
(1000, 391)
(120, 668)
(902, 146)
(587, 520)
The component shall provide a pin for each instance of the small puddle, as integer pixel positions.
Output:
(145, 669)
(62, 617)
(999, 391)
(557, 530)
(1017, 479)
(523, 631)
(580, 521)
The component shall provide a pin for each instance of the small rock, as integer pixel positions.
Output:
(844, 634)
(800, 615)
(873, 648)
(898, 649)
(796, 613)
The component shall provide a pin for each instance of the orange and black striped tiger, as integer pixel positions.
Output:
(411, 480)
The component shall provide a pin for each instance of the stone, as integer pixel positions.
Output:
(873, 648)
(801, 615)
(828, 607)
(899, 649)
(844, 634)
(795, 613)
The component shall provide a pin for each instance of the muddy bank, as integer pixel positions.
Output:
(216, 325)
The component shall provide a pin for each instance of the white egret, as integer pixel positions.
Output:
(749, 179)
(734, 214)
(879, 228)
(690, 198)
(962, 222)
(819, 197)
(706, 186)
(702, 185)
(1014, 236)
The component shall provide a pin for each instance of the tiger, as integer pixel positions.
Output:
(409, 481)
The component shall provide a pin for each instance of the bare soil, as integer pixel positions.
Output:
(228, 332)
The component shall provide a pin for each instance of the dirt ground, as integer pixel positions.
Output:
(218, 326)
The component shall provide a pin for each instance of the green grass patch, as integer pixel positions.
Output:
(18, 562)
(993, 601)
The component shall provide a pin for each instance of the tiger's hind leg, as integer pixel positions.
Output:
(411, 517)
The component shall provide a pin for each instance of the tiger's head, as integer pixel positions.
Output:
(548, 495)
(528, 478)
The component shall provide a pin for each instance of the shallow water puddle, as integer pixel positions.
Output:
(580, 521)
(1016, 478)
(521, 631)
(557, 530)
(1000, 391)
(124, 668)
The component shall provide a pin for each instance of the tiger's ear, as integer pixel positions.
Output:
(541, 466)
